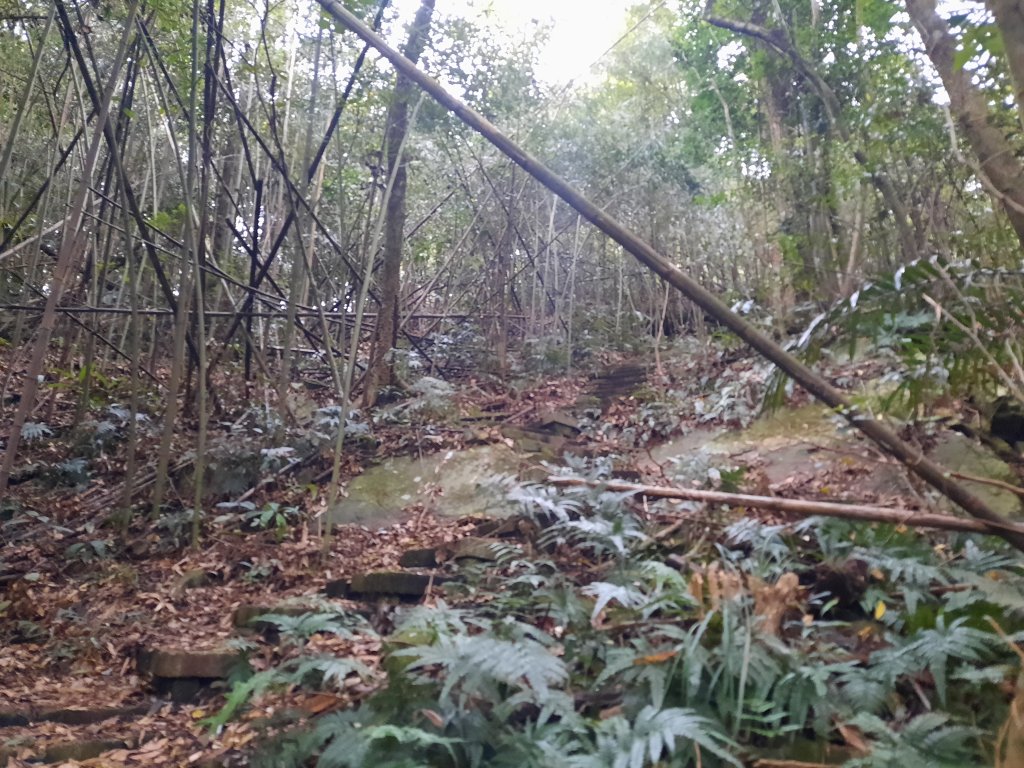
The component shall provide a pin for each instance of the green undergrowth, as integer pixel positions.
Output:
(867, 647)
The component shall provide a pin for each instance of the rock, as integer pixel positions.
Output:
(396, 583)
(245, 616)
(196, 577)
(419, 558)
(369, 586)
(558, 423)
(338, 588)
(78, 751)
(1008, 421)
(175, 664)
(12, 718)
(68, 716)
(474, 548)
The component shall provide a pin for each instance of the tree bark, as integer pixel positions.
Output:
(933, 474)
(1010, 20)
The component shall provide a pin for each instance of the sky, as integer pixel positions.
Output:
(582, 31)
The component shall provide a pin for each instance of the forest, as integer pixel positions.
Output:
(368, 397)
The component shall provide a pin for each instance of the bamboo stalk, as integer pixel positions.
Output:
(805, 507)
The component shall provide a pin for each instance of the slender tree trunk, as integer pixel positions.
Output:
(23, 105)
(996, 154)
(71, 249)
(382, 365)
(780, 42)
(1010, 19)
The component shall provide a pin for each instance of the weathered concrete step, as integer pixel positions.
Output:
(184, 675)
(67, 716)
(470, 548)
(177, 663)
(557, 423)
(80, 750)
(369, 586)
(620, 381)
(246, 615)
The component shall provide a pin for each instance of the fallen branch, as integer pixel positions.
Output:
(991, 481)
(863, 512)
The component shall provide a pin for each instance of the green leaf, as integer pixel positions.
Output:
(876, 15)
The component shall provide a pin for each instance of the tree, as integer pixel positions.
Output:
(381, 371)
(983, 118)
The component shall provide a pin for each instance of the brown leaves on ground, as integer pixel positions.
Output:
(91, 624)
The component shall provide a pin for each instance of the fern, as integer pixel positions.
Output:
(927, 741)
(932, 650)
(482, 665)
(757, 542)
(651, 737)
(303, 670)
(32, 431)
(305, 626)
(893, 312)
(241, 693)
(604, 593)
(439, 622)
(600, 536)
(540, 502)
(353, 745)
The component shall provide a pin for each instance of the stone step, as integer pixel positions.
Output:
(620, 381)
(379, 584)
(184, 675)
(67, 715)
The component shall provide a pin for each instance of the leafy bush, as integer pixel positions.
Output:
(954, 325)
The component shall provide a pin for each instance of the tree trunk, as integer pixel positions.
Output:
(382, 364)
(995, 152)
(1010, 19)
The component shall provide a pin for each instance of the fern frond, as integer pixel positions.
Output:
(32, 431)
(653, 736)
(604, 593)
(240, 694)
(327, 670)
(474, 662)
(928, 741)
(352, 747)
(933, 649)
(308, 624)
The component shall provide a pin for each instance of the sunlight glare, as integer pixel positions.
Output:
(581, 30)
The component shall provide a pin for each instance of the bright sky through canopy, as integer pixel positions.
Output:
(582, 29)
